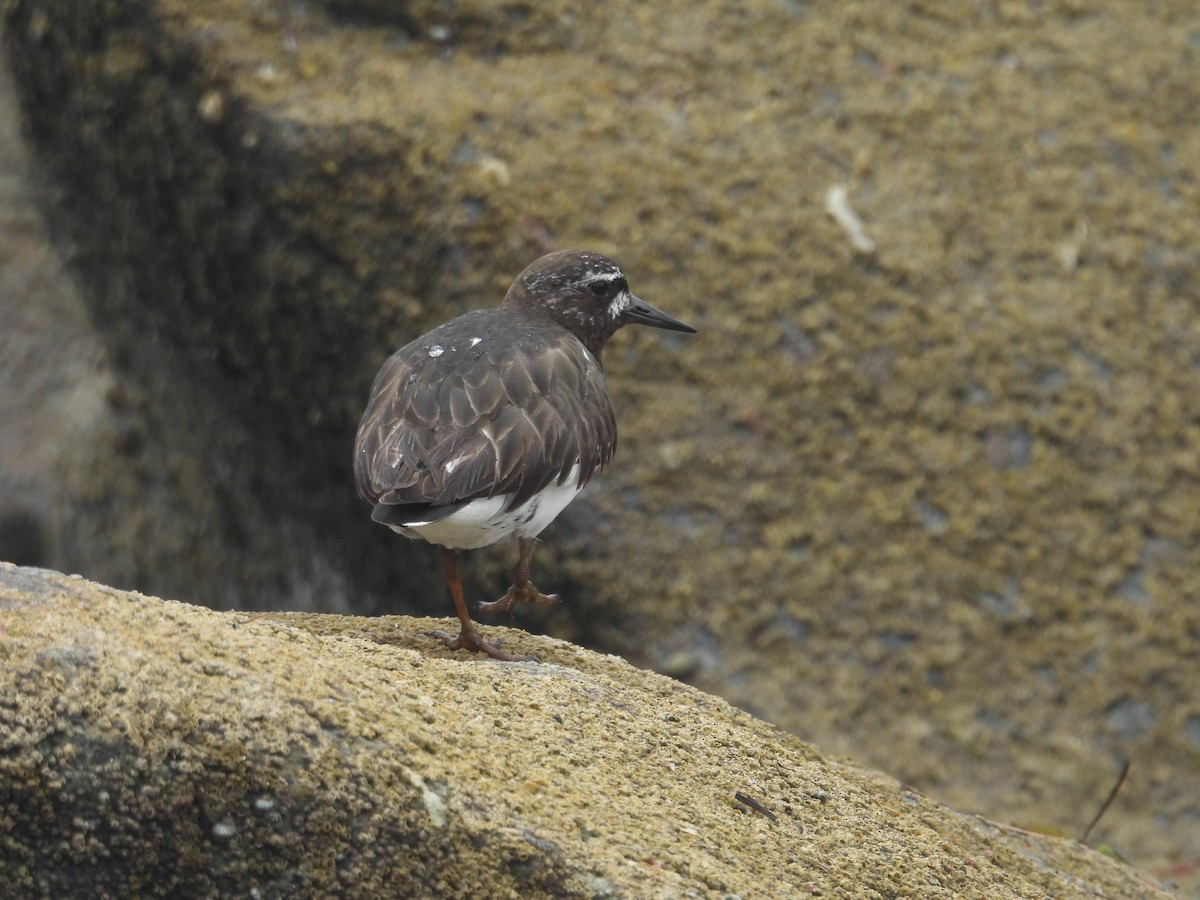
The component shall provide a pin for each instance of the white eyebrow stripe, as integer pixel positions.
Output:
(609, 275)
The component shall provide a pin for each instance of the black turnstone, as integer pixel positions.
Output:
(489, 425)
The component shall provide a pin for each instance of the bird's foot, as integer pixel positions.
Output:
(525, 593)
(470, 640)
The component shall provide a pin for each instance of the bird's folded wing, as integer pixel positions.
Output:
(511, 420)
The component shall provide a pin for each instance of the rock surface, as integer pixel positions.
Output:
(935, 505)
(151, 748)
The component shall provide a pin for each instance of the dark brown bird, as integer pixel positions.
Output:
(488, 426)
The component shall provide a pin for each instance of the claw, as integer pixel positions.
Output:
(525, 593)
(522, 590)
(470, 640)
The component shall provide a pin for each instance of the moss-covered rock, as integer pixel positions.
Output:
(151, 748)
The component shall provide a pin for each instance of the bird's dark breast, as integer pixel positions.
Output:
(490, 403)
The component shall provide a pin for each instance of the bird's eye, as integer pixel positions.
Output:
(600, 289)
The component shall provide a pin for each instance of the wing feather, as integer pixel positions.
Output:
(485, 416)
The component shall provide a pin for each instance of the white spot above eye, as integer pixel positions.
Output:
(436, 350)
(619, 304)
(475, 341)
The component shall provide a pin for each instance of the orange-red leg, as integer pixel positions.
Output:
(468, 638)
(522, 590)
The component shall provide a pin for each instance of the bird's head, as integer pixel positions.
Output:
(586, 293)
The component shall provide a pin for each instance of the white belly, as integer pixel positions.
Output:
(483, 522)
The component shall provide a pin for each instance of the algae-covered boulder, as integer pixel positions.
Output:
(151, 748)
